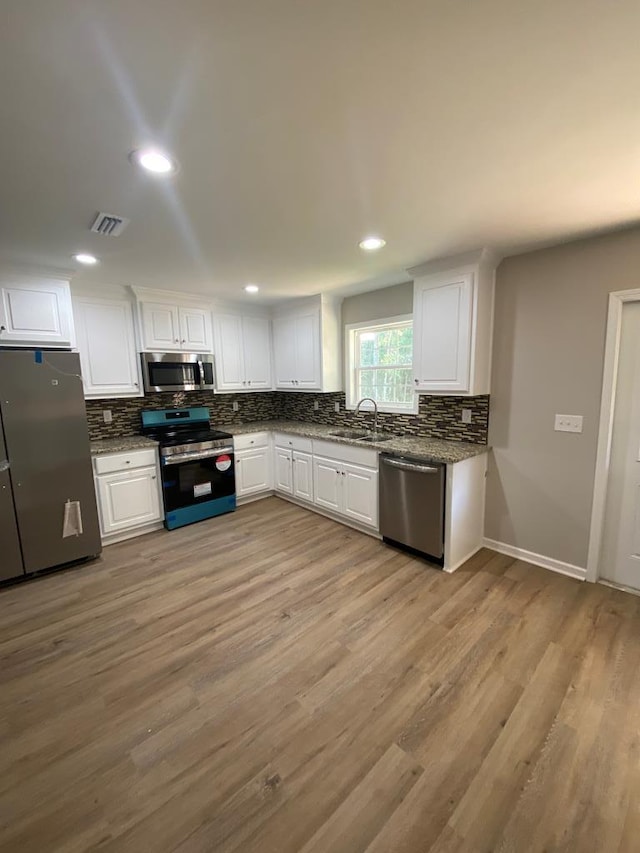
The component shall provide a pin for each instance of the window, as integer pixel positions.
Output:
(380, 364)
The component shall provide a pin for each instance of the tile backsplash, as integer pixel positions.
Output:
(438, 417)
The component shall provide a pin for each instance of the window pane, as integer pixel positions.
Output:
(386, 385)
(383, 368)
(386, 346)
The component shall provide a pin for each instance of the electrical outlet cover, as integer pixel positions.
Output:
(568, 423)
(107, 416)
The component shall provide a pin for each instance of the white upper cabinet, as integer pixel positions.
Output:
(195, 329)
(35, 311)
(168, 325)
(242, 346)
(307, 345)
(452, 325)
(256, 339)
(106, 342)
(160, 326)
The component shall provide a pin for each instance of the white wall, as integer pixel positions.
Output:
(548, 354)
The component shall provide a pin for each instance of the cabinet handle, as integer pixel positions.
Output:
(153, 476)
(249, 382)
(3, 329)
(416, 381)
(176, 341)
(184, 341)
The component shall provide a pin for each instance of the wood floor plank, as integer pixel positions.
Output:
(273, 682)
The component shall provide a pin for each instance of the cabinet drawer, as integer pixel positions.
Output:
(293, 442)
(251, 440)
(346, 453)
(110, 462)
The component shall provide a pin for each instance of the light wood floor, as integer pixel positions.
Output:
(273, 681)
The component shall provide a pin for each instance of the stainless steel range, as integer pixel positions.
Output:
(198, 479)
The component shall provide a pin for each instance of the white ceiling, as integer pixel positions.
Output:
(301, 127)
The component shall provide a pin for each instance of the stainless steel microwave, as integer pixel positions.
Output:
(177, 371)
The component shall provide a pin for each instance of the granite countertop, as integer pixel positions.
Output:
(422, 448)
(117, 445)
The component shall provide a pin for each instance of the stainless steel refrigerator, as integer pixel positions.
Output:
(48, 514)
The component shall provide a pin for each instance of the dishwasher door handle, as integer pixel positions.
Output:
(410, 466)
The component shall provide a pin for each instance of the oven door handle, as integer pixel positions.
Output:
(194, 457)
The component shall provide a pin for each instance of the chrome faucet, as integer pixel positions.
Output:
(375, 410)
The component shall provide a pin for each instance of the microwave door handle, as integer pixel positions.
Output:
(201, 372)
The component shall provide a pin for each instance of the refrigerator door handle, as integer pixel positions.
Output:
(4, 465)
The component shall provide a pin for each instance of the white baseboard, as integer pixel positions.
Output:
(537, 559)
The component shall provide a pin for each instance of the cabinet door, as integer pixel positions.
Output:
(360, 494)
(303, 475)
(284, 351)
(308, 363)
(37, 313)
(228, 348)
(327, 483)
(195, 329)
(106, 342)
(257, 352)
(442, 333)
(253, 472)
(160, 327)
(283, 479)
(128, 499)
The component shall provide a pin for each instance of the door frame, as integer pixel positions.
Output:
(617, 300)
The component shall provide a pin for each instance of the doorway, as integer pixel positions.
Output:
(620, 552)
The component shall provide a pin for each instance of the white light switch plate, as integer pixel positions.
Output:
(466, 416)
(568, 423)
(107, 417)
(235, 406)
(316, 405)
(336, 406)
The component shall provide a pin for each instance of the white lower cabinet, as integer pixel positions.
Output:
(327, 478)
(253, 471)
(302, 475)
(360, 494)
(128, 492)
(283, 473)
(350, 490)
(339, 479)
(253, 464)
(293, 462)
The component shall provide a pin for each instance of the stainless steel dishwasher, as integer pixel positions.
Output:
(412, 505)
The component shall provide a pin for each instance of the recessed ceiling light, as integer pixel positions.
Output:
(87, 260)
(154, 160)
(370, 244)
(252, 288)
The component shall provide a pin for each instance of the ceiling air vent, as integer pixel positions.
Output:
(109, 225)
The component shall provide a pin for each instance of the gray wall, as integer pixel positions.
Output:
(378, 304)
(548, 353)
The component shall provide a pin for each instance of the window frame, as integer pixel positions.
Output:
(350, 331)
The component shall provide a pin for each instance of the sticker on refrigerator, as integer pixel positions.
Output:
(223, 463)
(201, 489)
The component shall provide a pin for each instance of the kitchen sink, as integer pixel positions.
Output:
(377, 436)
(355, 434)
(362, 435)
